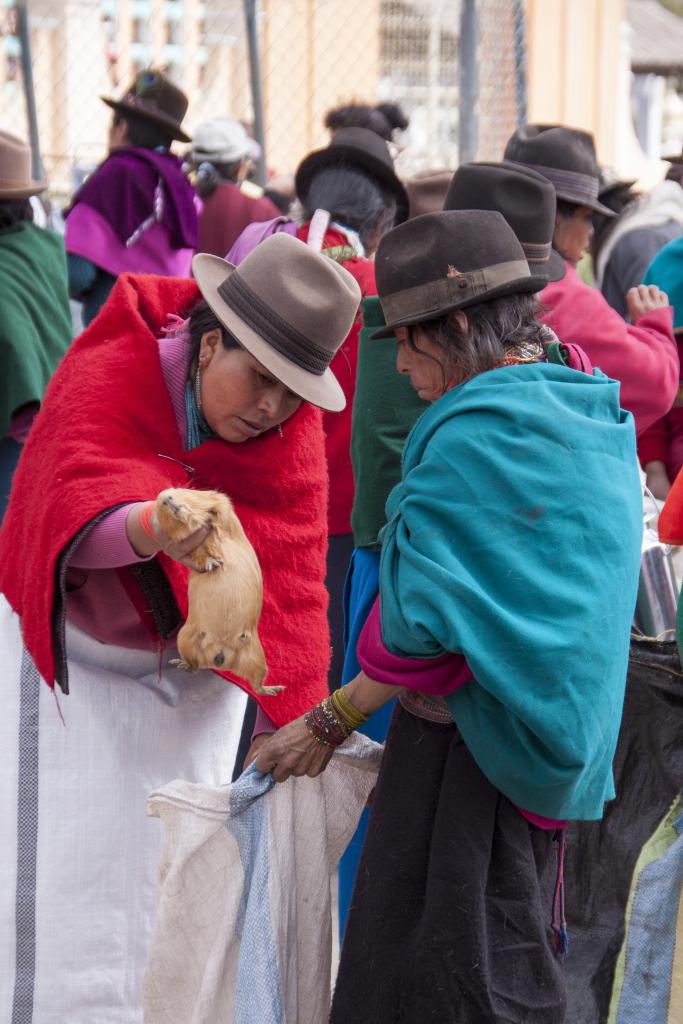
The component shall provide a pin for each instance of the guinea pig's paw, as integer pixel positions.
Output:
(268, 691)
(181, 663)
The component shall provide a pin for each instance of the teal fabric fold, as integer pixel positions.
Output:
(514, 539)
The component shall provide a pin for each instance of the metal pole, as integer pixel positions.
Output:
(256, 89)
(520, 61)
(29, 93)
(469, 81)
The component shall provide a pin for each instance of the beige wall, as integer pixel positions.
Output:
(578, 70)
(314, 55)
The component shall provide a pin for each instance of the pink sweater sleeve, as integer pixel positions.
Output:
(434, 676)
(642, 356)
(262, 724)
(107, 546)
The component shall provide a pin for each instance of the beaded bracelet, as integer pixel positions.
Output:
(345, 710)
(334, 719)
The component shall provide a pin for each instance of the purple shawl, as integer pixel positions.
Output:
(122, 190)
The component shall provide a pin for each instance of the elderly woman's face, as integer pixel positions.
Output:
(240, 398)
(425, 367)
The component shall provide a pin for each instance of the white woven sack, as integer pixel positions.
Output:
(243, 933)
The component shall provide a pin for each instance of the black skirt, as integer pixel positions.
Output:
(451, 912)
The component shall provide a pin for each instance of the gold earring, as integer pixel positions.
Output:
(198, 388)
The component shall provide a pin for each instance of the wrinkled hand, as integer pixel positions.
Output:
(293, 751)
(256, 745)
(178, 550)
(643, 299)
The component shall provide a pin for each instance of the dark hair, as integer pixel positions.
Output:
(353, 198)
(143, 133)
(210, 175)
(202, 320)
(618, 199)
(675, 173)
(382, 119)
(15, 211)
(565, 208)
(495, 329)
(278, 199)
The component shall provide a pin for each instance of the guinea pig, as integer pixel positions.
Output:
(225, 599)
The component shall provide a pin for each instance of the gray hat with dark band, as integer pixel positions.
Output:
(565, 156)
(289, 307)
(445, 261)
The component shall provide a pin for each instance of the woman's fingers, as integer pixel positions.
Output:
(188, 544)
(293, 751)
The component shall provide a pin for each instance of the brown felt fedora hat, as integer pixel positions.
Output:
(445, 261)
(427, 190)
(565, 156)
(153, 97)
(16, 180)
(360, 148)
(289, 307)
(525, 198)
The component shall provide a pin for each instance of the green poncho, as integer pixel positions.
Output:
(514, 539)
(35, 327)
(385, 407)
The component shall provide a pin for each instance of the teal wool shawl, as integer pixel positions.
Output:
(514, 539)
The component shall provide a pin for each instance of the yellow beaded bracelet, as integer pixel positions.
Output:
(350, 715)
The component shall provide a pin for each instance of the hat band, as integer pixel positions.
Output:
(17, 182)
(582, 185)
(273, 328)
(536, 252)
(425, 300)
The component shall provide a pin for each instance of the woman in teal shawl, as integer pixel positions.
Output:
(508, 581)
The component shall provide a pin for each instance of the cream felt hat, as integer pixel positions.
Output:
(289, 307)
(16, 180)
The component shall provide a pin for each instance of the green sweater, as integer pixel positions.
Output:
(35, 327)
(385, 408)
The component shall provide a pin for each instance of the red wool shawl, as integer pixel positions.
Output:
(97, 444)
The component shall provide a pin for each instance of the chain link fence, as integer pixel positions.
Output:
(457, 67)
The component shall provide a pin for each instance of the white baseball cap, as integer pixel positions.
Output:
(221, 141)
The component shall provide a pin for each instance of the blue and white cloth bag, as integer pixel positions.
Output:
(243, 930)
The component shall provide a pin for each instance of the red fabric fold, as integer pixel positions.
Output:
(106, 435)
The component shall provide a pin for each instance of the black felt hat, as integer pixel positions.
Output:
(525, 198)
(444, 261)
(154, 98)
(361, 148)
(565, 156)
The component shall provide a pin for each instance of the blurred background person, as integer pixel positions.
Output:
(35, 328)
(641, 355)
(136, 212)
(623, 245)
(660, 447)
(221, 155)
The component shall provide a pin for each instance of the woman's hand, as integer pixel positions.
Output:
(256, 745)
(657, 479)
(144, 545)
(644, 299)
(292, 751)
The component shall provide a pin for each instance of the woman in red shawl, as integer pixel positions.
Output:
(92, 593)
